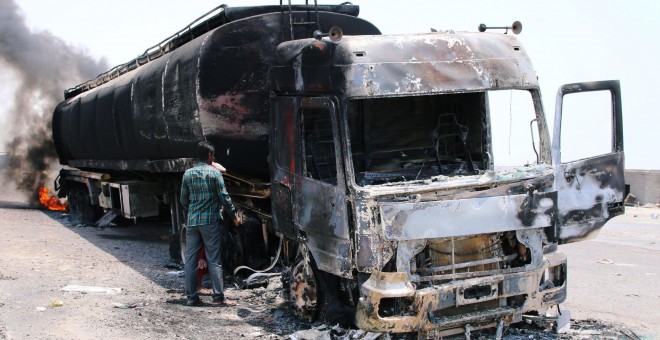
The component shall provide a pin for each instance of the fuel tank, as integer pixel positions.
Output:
(214, 87)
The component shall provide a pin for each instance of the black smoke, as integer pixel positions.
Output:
(43, 66)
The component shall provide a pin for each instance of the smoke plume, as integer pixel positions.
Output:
(41, 66)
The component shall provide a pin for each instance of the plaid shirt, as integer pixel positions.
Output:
(203, 192)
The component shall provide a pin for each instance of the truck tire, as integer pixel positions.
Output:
(314, 294)
(301, 287)
(232, 249)
(80, 205)
(175, 248)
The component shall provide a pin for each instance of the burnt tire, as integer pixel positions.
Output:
(300, 289)
(80, 204)
(314, 294)
(175, 248)
(233, 254)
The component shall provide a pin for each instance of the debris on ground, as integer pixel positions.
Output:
(124, 305)
(91, 289)
(336, 332)
(580, 329)
(56, 303)
(606, 261)
(631, 201)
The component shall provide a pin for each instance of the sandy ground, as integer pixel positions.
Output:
(42, 252)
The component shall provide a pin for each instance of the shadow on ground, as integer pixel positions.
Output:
(143, 246)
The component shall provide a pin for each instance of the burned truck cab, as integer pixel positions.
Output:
(417, 172)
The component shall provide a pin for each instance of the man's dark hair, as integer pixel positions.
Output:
(204, 148)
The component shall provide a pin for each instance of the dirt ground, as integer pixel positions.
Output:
(42, 252)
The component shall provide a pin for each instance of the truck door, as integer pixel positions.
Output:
(590, 190)
(282, 162)
(314, 180)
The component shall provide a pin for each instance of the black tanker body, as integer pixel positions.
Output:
(214, 88)
(127, 136)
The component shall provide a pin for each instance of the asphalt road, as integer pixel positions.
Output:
(616, 276)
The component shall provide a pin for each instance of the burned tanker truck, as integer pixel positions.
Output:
(406, 183)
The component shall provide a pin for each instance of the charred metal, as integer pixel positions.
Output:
(367, 165)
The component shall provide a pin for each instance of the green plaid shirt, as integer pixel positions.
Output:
(203, 193)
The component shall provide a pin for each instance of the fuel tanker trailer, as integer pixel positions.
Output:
(127, 136)
(377, 170)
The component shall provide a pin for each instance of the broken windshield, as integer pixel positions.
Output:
(417, 138)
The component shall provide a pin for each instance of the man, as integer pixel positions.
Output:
(203, 193)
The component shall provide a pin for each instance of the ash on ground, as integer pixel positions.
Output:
(580, 329)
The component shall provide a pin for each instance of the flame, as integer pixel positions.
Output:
(50, 201)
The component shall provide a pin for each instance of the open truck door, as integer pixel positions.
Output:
(590, 190)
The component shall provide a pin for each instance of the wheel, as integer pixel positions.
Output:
(80, 204)
(73, 199)
(302, 289)
(314, 294)
(233, 255)
(176, 252)
(175, 248)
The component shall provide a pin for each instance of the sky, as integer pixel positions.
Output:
(567, 41)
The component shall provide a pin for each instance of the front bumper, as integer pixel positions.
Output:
(446, 309)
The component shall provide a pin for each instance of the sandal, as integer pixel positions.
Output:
(224, 303)
(205, 292)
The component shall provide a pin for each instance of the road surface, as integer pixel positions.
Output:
(616, 276)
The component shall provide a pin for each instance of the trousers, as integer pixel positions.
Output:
(208, 236)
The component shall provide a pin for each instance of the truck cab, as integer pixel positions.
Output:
(392, 168)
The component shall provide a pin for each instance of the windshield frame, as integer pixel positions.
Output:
(543, 144)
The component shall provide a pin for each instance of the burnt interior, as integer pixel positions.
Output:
(319, 145)
(412, 138)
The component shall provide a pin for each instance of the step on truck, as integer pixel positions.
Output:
(406, 183)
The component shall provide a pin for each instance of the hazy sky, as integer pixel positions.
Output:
(568, 41)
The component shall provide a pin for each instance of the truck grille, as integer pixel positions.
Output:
(449, 259)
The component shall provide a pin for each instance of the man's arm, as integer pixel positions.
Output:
(185, 194)
(225, 200)
(219, 167)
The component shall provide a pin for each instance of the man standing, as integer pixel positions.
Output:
(203, 193)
